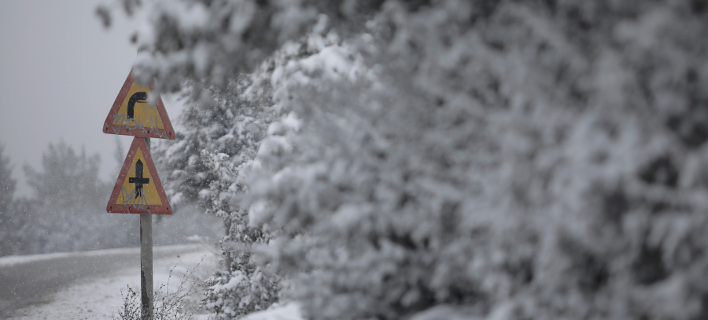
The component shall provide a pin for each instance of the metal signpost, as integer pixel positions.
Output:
(138, 188)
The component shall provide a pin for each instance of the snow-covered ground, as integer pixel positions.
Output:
(101, 297)
(289, 311)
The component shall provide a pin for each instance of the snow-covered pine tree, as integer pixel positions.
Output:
(17, 231)
(469, 159)
(222, 128)
(8, 218)
(215, 120)
(244, 110)
(7, 184)
(69, 214)
(538, 160)
(187, 180)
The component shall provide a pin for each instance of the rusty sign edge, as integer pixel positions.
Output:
(111, 207)
(109, 127)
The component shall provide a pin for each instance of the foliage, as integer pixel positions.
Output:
(68, 211)
(168, 304)
(221, 122)
(431, 159)
(244, 286)
(17, 229)
(226, 125)
(7, 183)
(67, 176)
(10, 223)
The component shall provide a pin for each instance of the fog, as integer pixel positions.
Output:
(60, 72)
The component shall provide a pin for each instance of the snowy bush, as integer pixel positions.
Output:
(172, 301)
(243, 286)
(206, 163)
(434, 159)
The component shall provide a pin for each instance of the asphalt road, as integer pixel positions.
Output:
(32, 282)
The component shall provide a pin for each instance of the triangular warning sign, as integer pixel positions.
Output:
(138, 189)
(132, 115)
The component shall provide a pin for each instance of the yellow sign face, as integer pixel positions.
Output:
(139, 186)
(132, 115)
(135, 111)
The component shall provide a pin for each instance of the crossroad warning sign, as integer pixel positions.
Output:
(132, 115)
(138, 189)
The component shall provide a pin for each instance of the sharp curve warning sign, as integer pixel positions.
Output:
(132, 115)
(138, 189)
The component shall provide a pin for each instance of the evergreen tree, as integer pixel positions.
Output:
(461, 159)
(7, 183)
(203, 163)
(70, 212)
(9, 218)
(18, 231)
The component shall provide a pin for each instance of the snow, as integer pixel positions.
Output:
(288, 311)
(232, 284)
(101, 298)
(518, 161)
(14, 260)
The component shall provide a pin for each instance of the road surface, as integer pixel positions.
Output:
(28, 282)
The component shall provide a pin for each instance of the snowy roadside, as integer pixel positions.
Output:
(288, 311)
(100, 298)
(15, 260)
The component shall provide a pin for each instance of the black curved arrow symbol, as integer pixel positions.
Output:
(138, 97)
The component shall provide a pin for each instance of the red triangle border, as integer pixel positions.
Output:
(108, 126)
(165, 208)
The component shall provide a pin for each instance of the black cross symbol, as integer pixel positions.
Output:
(138, 180)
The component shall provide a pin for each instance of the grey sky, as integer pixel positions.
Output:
(60, 72)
